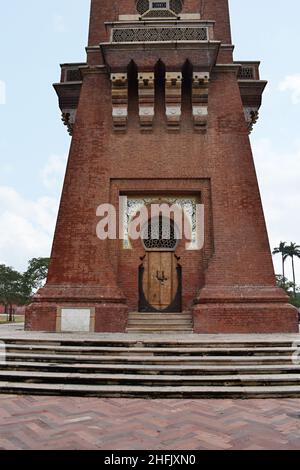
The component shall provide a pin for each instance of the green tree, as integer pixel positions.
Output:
(17, 288)
(281, 249)
(296, 301)
(11, 288)
(293, 251)
(285, 284)
(290, 289)
(34, 277)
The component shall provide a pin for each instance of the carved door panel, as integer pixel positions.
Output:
(160, 282)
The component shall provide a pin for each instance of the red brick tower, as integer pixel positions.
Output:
(161, 112)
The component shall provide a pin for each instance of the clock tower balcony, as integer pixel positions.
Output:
(172, 41)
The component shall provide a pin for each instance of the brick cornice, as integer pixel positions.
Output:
(92, 69)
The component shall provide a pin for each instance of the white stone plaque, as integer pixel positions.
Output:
(75, 319)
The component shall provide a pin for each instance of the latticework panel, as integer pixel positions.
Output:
(149, 9)
(159, 34)
(246, 73)
(188, 206)
(73, 75)
(176, 6)
(159, 14)
(160, 235)
(142, 6)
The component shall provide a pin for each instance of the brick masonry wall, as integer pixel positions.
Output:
(102, 11)
(152, 162)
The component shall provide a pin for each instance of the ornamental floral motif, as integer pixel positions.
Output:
(134, 205)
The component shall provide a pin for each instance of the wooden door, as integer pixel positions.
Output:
(160, 280)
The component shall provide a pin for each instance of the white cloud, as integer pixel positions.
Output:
(53, 172)
(291, 83)
(2, 92)
(26, 227)
(59, 24)
(279, 177)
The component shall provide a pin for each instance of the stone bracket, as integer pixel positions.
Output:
(119, 101)
(251, 116)
(68, 117)
(146, 99)
(173, 92)
(200, 90)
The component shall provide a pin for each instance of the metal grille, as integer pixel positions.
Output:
(159, 14)
(160, 235)
(73, 75)
(142, 6)
(246, 73)
(159, 34)
(176, 6)
(162, 5)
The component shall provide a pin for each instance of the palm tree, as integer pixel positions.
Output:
(293, 251)
(281, 249)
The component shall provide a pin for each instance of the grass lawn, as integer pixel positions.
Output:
(17, 320)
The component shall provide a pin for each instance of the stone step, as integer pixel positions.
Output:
(143, 369)
(162, 380)
(160, 316)
(53, 349)
(139, 323)
(132, 359)
(160, 321)
(159, 325)
(130, 391)
(151, 366)
(189, 341)
(159, 329)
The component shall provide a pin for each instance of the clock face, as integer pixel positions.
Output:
(145, 7)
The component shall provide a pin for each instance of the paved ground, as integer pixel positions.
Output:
(16, 330)
(110, 424)
(11, 328)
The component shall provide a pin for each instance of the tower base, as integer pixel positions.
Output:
(78, 309)
(244, 310)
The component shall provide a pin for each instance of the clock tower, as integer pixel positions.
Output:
(161, 113)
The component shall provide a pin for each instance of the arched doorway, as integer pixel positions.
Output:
(160, 276)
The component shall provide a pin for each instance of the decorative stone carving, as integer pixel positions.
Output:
(154, 9)
(146, 99)
(68, 118)
(173, 99)
(200, 89)
(144, 33)
(251, 116)
(119, 100)
(186, 203)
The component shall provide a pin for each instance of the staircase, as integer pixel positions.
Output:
(149, 366)
(163, 323)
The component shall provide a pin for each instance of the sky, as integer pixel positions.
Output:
(35, 37)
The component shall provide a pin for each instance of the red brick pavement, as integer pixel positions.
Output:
(87, 423)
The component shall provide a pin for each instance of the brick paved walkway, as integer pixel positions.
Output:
(110, 424)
